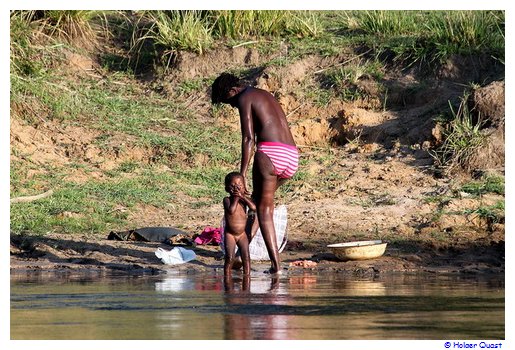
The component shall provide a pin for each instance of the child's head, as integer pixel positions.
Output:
(234, 182)
(222, 86)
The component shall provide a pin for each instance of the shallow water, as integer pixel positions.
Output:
(307, 306)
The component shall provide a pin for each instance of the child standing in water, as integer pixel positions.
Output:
(237, 225)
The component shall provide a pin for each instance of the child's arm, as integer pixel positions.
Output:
(250, 204)
(230, 205)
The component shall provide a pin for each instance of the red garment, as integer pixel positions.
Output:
(210, 235)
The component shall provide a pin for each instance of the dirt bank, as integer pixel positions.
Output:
(368, 171)
(86, 253)
(383, 196)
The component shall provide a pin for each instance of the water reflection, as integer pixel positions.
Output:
(239, 324)
(187, 283)
(175, 284)
(272, 309)
(293, 306)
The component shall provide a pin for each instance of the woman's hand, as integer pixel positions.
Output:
(246, 192)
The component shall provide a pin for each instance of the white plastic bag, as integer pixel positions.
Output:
(176, 256)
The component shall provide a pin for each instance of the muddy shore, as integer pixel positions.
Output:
(77, 254)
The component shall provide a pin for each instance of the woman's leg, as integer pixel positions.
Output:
(265, 183)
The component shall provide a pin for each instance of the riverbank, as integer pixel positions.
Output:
(100, 145)
(92, 253)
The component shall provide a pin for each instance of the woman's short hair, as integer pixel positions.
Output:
(222, 85)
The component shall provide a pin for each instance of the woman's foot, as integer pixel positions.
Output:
(273, 271)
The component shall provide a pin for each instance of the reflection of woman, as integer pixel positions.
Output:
(243, 325)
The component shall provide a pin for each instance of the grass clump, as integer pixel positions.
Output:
(237, 24)
(426, 37)
(492, 214)
(174, 31)
(344, 79)
(491, 184)
(462, 138)
(22, 51)
(73, 26)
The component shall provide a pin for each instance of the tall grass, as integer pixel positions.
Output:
(256, 23)
(432, 36)
(388, 23)
(34, 33)
(176, 30)
(159, 35)
(462, 138)
(22, 50)
(71, 25)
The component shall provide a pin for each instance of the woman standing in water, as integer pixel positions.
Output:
(265, 132)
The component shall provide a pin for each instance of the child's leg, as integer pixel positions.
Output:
(230, 247)
(243, 247)
(228, 283)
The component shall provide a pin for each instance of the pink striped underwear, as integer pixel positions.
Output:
(285, 158)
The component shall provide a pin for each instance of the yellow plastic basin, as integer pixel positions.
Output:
(359, 250)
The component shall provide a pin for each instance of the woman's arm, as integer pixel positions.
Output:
(247, 137)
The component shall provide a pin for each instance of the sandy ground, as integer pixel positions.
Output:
(371, 199)
(376, 185)
(87, 253)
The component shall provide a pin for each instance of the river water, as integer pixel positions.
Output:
(303, 306)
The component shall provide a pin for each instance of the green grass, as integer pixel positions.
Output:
(462, 138)
(54, 99)
(415, 36)
(93, 206)
(493, 214)
(430, 36)
(161, 35)
(258, 23)
(490, 184)
(174, 31)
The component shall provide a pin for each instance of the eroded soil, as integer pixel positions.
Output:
(377, 182)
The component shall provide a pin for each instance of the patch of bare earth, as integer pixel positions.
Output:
(378, 183)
